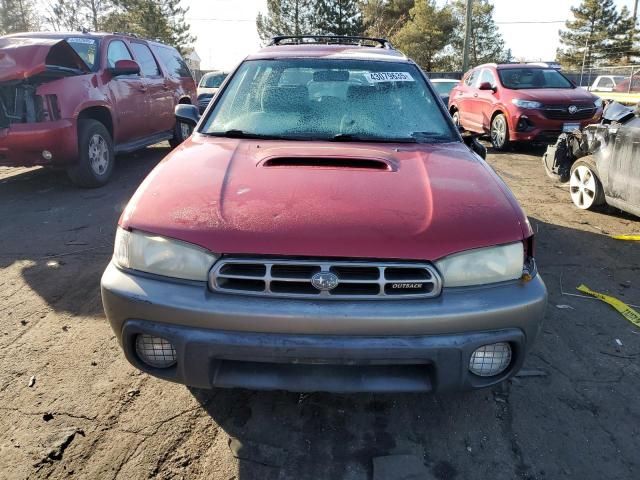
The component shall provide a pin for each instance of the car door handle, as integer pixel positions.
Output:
(165, 86)
(475, 94)
(142, 88)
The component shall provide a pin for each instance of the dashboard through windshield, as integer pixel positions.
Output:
(329, 99)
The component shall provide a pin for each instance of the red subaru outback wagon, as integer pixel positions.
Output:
(521, 102)
(75, 100)
(325, 228)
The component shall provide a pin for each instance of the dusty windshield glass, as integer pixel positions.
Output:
(524, 78)
(322, 99)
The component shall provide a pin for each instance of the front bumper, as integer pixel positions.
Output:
(21, 144)
(341, 346)
(543, 129)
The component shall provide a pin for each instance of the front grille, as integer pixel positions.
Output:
(561, 112)
(324, 279)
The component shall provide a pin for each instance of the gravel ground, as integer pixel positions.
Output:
(72, 406)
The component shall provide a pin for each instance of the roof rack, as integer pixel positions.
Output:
(330, 39)
(126, 34)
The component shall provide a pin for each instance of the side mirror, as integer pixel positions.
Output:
(187, 113)
(486, 86)
(471, 141)
(125, 67)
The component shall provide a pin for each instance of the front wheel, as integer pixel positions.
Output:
(499, 132)
(95, 155)
(585, 186)
(181, 132)
(455, 115)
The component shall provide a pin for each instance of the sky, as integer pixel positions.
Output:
(226, 29)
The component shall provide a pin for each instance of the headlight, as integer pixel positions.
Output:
(526, 103)
(483, 265)
(161, 256)
(597, 102)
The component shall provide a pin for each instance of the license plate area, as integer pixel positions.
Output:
(570, 127)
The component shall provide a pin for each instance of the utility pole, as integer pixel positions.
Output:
(467, 36)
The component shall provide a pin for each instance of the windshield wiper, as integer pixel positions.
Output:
(347, 137)
(235, 133)
(431, 137)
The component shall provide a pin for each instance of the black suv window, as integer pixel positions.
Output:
(173, 62)
(148, 64)
(117, 51)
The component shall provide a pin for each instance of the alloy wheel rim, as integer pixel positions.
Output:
(582, 186)
(498, 131)
(98, 154)
(185, 131)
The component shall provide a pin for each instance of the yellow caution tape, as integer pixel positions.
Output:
(633, 238)
(622, 97)
(625, 310)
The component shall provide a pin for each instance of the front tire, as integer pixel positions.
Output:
(499, 132)
(96, 155)
(585, 186)
(455, 116)
(181, 132)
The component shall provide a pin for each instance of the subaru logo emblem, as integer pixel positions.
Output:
(324, 281)
(573, 109)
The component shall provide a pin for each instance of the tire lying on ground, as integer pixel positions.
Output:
(585, 187)
(95, 155)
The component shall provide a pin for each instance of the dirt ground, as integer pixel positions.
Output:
(88, 414)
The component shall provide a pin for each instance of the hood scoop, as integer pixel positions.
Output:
(347, 163)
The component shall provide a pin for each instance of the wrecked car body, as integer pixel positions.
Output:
(601, 162)
(76, 100)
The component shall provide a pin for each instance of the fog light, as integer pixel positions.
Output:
(490, 360)
(47, 155)
(155, 351)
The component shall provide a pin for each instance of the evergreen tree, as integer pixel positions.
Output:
(285, 17)
(75, 15)
(426, 34)
(161, 20)
(384, 18)
(338, 17)
(486, 44)
(597, 35)
(18, 16)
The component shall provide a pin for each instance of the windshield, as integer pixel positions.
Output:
(213, 80)
(86, 48)
(322, 99)
(444, 88)
(524, 78)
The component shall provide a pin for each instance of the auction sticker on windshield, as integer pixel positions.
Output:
(389, 77)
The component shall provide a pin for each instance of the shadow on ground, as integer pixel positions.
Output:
(60, 237)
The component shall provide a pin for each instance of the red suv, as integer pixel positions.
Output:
(519, 102)
(76, 100)
(327, 228)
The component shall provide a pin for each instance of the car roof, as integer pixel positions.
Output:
(318, 50)
(94, 35)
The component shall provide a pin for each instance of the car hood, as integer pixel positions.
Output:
(431, 201)
(23, 57)
(552, 96)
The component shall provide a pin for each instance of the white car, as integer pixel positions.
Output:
(208, 87)
(605, 83)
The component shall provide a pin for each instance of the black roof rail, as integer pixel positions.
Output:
(126, 34)
(330, 39)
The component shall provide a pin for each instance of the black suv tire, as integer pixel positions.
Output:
(96, 156)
